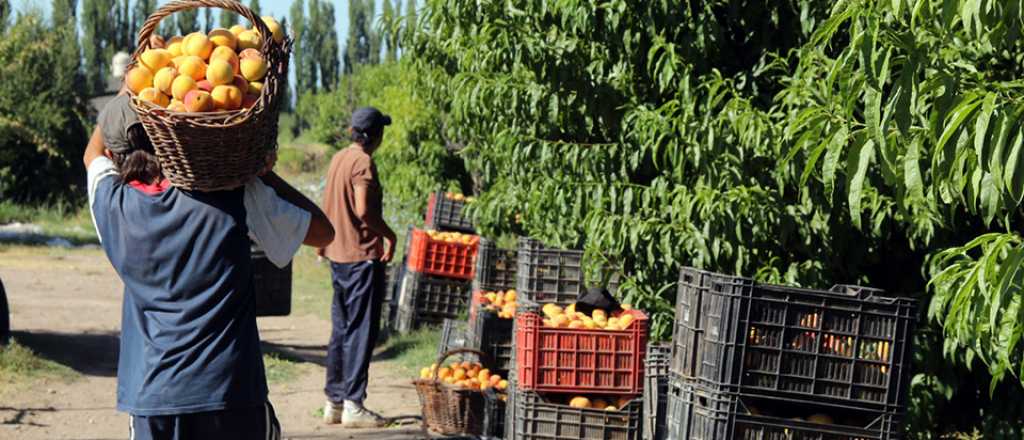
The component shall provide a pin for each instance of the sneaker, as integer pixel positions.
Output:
(332, 413)
(357, 416)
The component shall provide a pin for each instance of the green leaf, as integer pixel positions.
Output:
(989, 198)
(856, 170)
(981, 125)
(912, 170)
(832, 156)
(1014, 176)
(956, 118)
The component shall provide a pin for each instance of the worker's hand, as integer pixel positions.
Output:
(389, 250)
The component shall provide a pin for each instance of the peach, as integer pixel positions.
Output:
(176, 39)
(226, 97)
(151, 94)
(205, 85)
(237, 29)
(241, 83)
(198, 44)
(275, 28)
(249, 39)
(255, 88)
(164, 78)
(221, 37)
(181, 86)
(193, 66)
(227, 54)
(177, 106)
(198, 101)
(175, 49)
(249, 100)
(250, 53)
(254, 69)
(155, 59)
(138, 78)
(219, 72)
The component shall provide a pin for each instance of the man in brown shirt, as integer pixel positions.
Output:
(363, 244)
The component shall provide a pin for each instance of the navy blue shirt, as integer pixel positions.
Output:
(189, 341)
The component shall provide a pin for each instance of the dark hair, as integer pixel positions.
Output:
(140, 163)
(367, 137)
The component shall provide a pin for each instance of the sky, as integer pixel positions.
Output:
(277, 8)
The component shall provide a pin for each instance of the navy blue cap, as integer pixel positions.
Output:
(368, 119)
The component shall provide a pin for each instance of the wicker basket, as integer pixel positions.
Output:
(449, 410)
(215, 150)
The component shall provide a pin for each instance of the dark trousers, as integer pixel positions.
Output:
(355, 318)
(253, 423)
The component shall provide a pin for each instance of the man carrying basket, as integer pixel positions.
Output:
(190, 365)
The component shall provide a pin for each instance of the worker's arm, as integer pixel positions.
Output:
(95, 148)
(320, 232)
(370, 214)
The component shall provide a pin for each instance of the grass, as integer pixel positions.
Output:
(280, 370)
(412, 351)
(73, 223)
(19, 366)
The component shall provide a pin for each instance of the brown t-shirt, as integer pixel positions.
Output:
(353, 239)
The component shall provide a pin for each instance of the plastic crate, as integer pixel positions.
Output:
(849, 346)
(495, 267)
(695, 413)
(429, 300)
(454, 334)
(545, 275)
(445, 214)
(579, 360)
(493, 336)
(272, 286)
(656, 371)
(537, 419)
(440, 258)
(494, 415)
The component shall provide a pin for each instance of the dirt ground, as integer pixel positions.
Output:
(66, 304)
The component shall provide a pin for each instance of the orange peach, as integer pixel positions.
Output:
(198, 44)
(225, 53)
(226, 97)
(254, 69)
(155, 59)
(198, 101)
(221, 37)
(219, 72)
(237, 29)
(193, 66)
(205, 86)
(249, 39)
(138, 78)
(151, 94)
(177, 106)
(164, 79)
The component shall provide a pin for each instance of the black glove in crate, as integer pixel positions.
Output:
(696, 413)
(444, 214)
(546, 275)
(538, 419)
(849, 346)
(429, 300)
(656, 389)
(493, 336)
(495, 267)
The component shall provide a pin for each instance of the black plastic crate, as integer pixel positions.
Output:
(536, 419)
(272, 286)
(848, 346)
(429, 300)
(695, 413)
(494, 414)
(495, 267)
(444, 214)
(546, 275)
(656, 372)
(454, 334)
(493, 336)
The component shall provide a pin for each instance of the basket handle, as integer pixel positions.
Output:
(184, 5)
(449, 353)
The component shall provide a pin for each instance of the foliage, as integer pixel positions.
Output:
(412, 160)
(226, 18)
(805, 142)
(19, 363)
(42, 128)
(363, 44)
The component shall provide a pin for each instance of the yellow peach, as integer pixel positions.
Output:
(275, 28)
(198, 44)
(249, 39)
(151, 94)
(193, 66)
(237, 29)
(175, 49)
(155, 59)
(221, 37)
(177, 106)
(164, 79)
(254, 69)
(225, 53)
(138, 78)
(181, 86)
(219, 72)
(226, 97)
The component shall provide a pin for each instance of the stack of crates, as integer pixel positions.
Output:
(490, 332)
(757, 361)
(438, 267)
(553, 366)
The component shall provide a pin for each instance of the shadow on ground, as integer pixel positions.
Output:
(93, 354)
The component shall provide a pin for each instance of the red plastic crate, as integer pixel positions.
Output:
(440, 258)
(580, 360)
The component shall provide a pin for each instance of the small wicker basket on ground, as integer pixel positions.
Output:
(448, 410)
(220, 150)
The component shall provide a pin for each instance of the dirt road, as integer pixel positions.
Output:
(65, 305)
